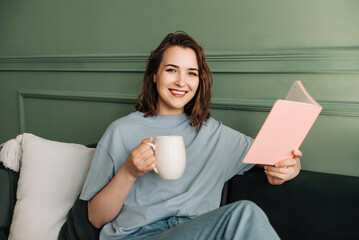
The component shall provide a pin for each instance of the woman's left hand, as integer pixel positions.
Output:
(284, 170)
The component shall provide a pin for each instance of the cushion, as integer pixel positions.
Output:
(51, 178)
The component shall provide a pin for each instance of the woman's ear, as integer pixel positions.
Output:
(155, 78)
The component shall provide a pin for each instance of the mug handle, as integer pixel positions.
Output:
(153, 146)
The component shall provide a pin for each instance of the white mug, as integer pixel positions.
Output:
(170, 156)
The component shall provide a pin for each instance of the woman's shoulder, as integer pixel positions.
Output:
(126, 122)
(213, 123)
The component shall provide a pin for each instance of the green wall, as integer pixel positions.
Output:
(69, 68)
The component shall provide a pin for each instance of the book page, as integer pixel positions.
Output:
(299, 94)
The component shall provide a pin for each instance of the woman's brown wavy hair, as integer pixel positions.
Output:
(199, 106)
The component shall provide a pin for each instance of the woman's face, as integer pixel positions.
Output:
(176, 79)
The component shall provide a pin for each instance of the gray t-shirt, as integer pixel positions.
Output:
(214, 155)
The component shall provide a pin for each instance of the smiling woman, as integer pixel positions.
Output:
(176, 80)
(180, 58)
(129, 201)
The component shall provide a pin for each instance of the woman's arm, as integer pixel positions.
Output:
(107, 204)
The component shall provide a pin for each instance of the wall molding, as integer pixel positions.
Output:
(331, 108)
(316, 60)
(69, 95)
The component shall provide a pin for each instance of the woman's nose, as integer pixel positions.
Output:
(180, 81)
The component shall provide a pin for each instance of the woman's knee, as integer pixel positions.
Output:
(247, 207)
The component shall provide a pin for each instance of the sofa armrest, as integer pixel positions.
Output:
(8, 186)
(311, 206)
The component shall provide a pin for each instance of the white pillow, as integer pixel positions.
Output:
(51, 177)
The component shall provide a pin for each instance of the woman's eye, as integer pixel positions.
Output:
(192, 73)
(170, 70)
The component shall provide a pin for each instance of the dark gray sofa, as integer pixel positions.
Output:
(311, 206)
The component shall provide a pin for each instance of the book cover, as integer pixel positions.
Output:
(285, 127)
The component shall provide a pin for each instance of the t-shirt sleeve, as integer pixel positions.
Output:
(237, 145)
(100, 174)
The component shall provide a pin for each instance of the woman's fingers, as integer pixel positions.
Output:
(282, 170)
(141, 159)
(147, 152)
(276, 174)
(149, 160)
(297, 153)
(148, 140)
(286, 163)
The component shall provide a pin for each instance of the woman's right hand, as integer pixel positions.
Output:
(107, 204)
(141, 159)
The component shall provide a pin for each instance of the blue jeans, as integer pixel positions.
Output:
(239, 220)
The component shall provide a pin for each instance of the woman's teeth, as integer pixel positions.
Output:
(177, 92)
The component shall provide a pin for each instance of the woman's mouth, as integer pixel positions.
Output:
(178, 93)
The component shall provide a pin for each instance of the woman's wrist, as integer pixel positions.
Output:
(126, 174)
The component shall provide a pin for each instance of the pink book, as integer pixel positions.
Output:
(285, 128)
